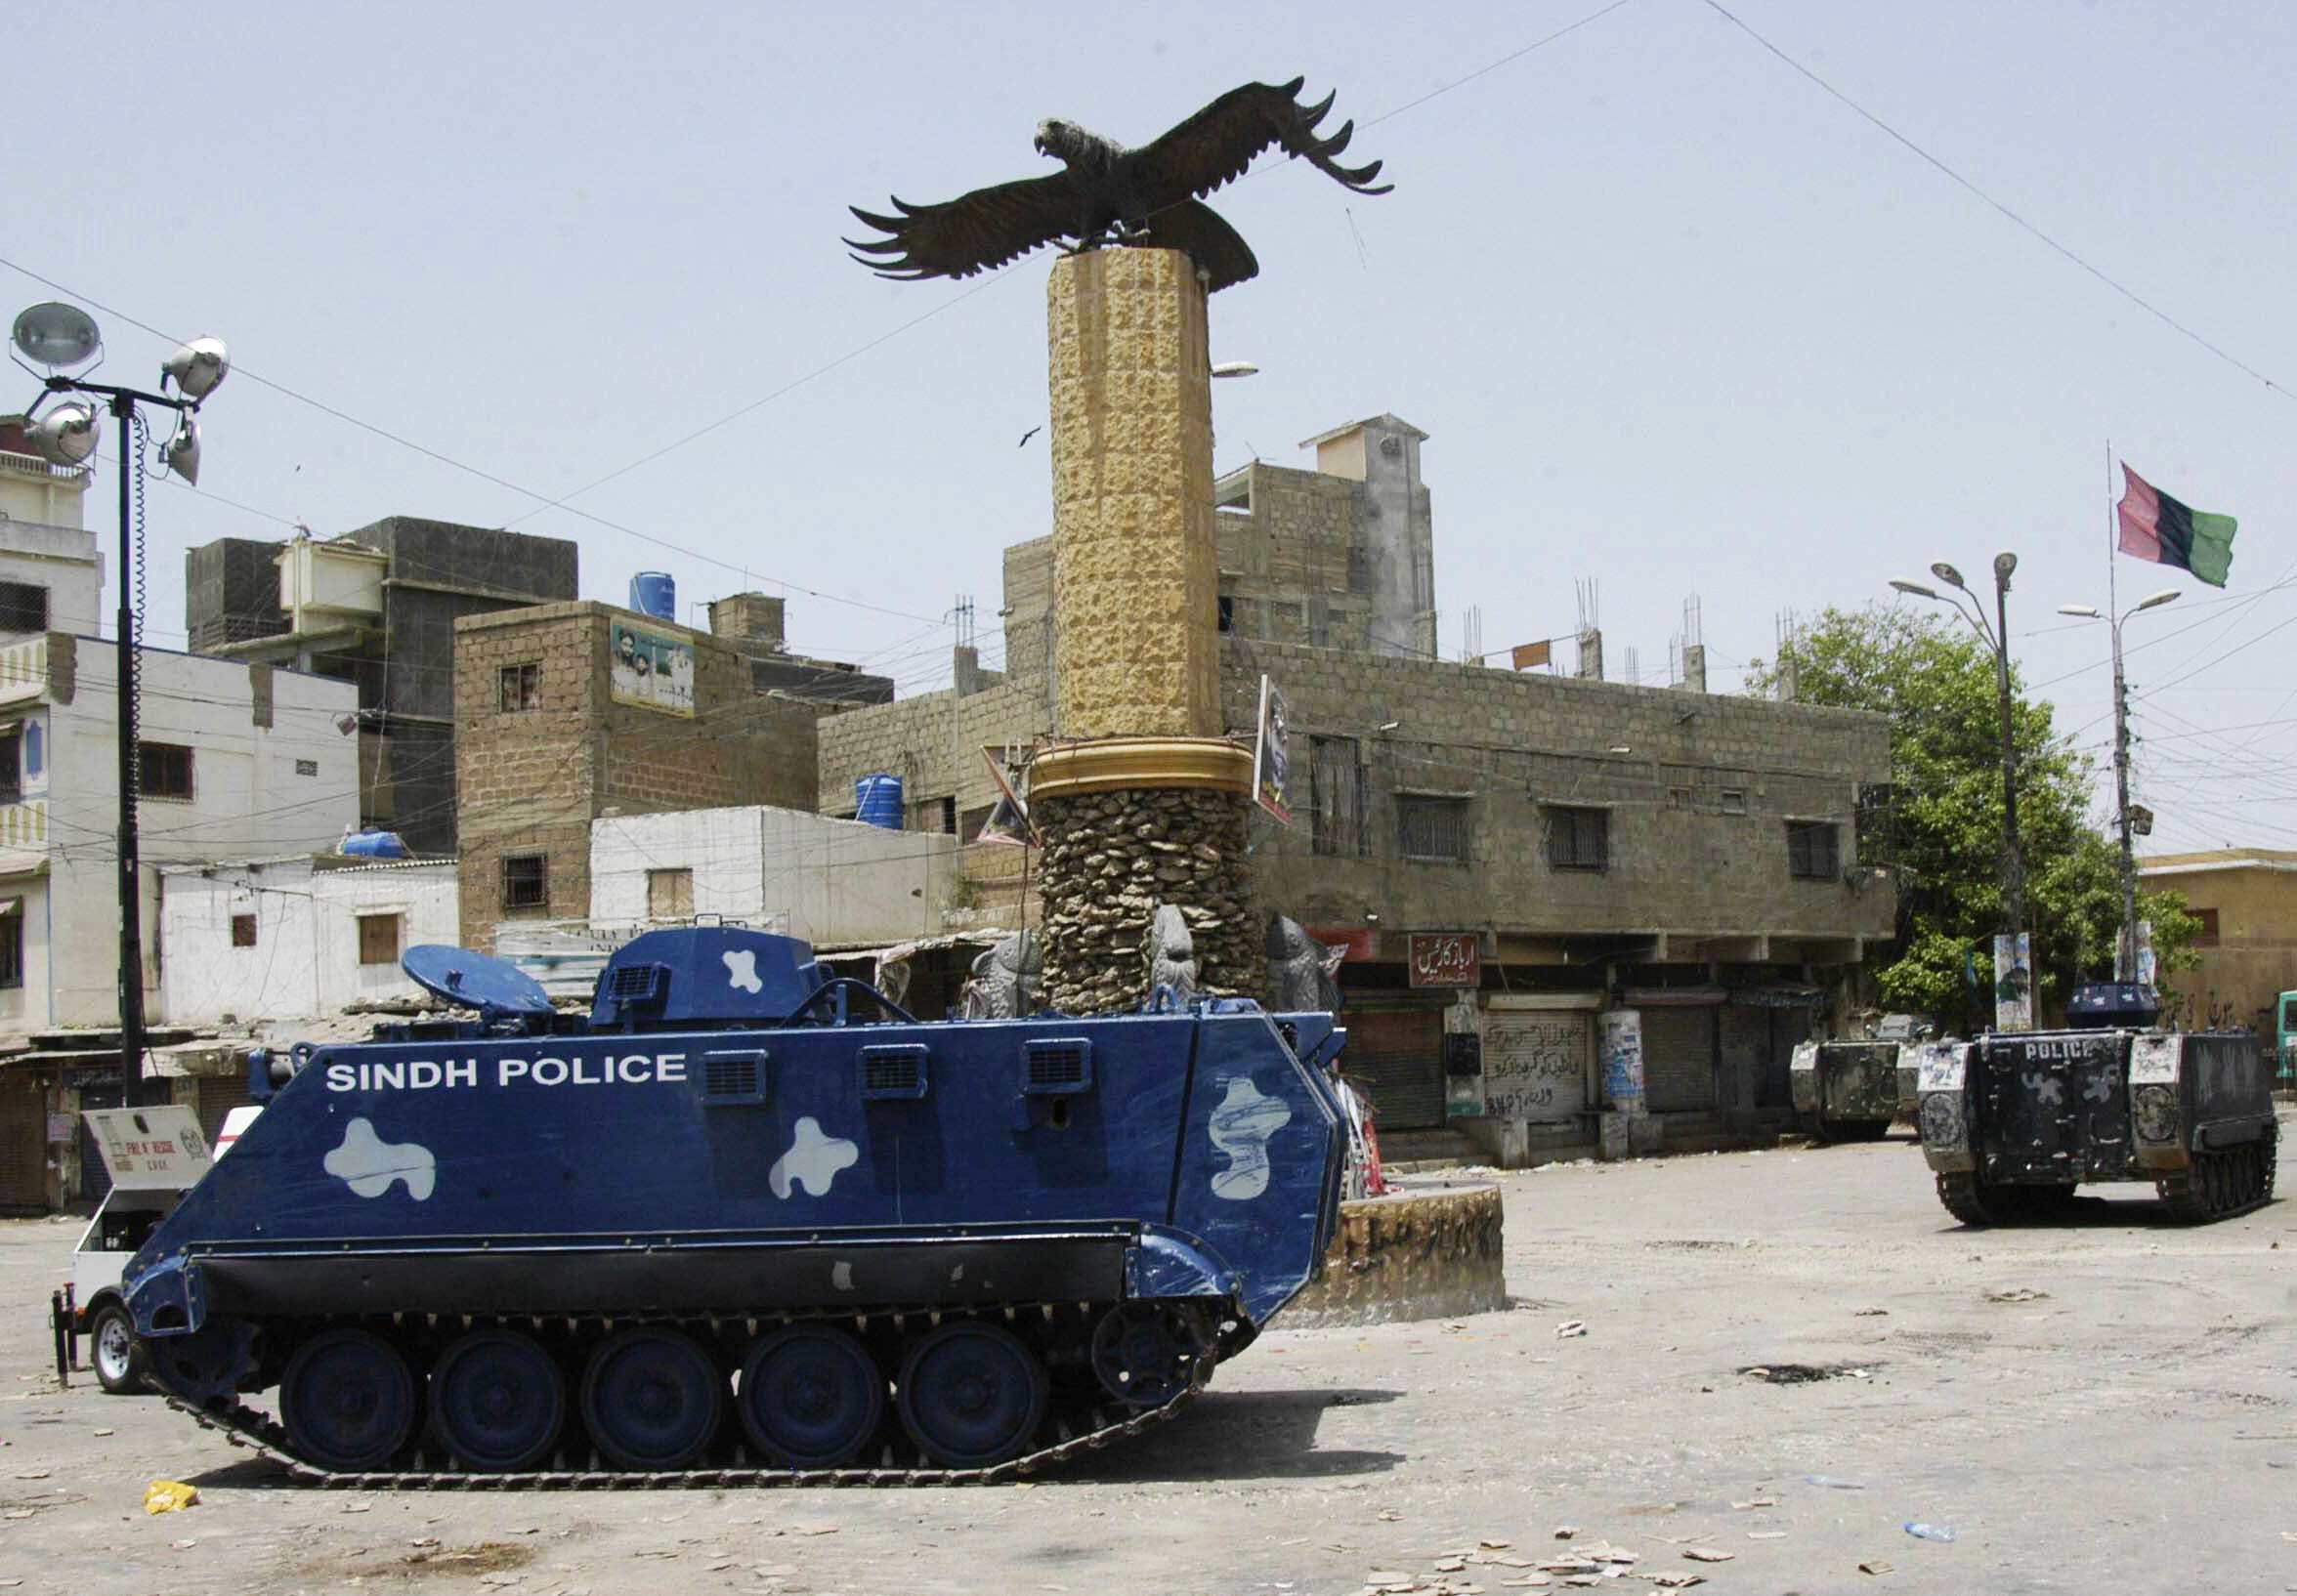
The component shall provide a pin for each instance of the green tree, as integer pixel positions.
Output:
(1941, 836)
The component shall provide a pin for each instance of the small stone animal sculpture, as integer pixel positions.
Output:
(1303, 972)
(1170, 953)
(1107, 194)
(1007, 979)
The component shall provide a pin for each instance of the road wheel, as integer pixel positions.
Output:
(653, 1398)
(811, 1397)
(971, 1395)
(497, 1401)
(115, 1351)
(349, 1401)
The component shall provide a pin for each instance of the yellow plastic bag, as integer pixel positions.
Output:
(169, 1497)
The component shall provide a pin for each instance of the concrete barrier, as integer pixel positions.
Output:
(1429, 1249)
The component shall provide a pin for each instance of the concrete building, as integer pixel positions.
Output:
(377, 608)
(834, 883)
(1505, 858)
(569, 712)
(51, 572)
(750, 624)
(296, 935)
(2247, 901)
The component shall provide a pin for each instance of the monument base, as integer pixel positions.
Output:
(1421, 1251)
(1129, 824)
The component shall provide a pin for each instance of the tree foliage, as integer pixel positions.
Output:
(1941, 836)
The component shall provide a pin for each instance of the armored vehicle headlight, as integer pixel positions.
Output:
(1941, 1119)
(2157, 1111)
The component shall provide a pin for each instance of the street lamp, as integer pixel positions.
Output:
(2125, 947)
(60, 337)
(1997, 641)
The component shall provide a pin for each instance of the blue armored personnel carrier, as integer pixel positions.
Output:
(744, 1221)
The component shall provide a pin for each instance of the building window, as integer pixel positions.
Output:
(166, 770)
(1577, 839)
(378, 938)
(1811, 852)
(669, 895)
(1431, 828)
(1335, 797)
(11, 765)
(526, 881)
(1734, 800)
(23, 607)
(1227, 613)
(11, 945)
(242, 931)
(519, 688)
(2206, 936)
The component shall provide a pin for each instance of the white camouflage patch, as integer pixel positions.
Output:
(1241, 1127)
(741, 970)
(812, 1162)
(368, 1164)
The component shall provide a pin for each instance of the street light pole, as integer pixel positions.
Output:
(2012, 852)
(60, 336)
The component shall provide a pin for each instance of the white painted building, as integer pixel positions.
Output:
(297, 937)
(236, 759)
(51, 572)
(832, 883)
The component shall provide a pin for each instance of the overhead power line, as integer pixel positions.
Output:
(1996, 206)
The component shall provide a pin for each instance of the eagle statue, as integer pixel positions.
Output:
(1107, 194)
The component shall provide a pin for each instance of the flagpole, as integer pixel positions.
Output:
(2112, 529)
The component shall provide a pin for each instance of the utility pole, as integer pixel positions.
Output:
(2013, 857)
(2125, 950)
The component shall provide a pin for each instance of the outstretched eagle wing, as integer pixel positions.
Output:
(1217, 144)
(984, 229)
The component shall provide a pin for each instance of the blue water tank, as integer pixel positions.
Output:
(877, 801)
(372, 845)
(655, 593)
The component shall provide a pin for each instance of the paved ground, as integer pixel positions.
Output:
(2107, 1407)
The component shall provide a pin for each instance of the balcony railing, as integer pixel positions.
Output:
(31, 465)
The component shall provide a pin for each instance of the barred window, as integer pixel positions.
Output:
(1811, 850)
(519, 688)
(1577, 839)
(526, 881)
(1431, 828)
(1335, 797)
(23, 607)
(164, 770)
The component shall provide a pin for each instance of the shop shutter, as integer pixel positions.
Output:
(1535, 1064)
(1396, 1056)
(23, 1136)
(1679, 1058)
(219, 1095)
(1746, 1048)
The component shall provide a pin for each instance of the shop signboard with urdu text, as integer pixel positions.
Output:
(1445, 959)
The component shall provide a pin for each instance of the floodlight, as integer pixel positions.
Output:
(1948, 574)
(2004, 564)
(196, 367)
(2156, 600)
(182, 453)
(2088, 612)
(57, 335)
(66, 435)
(1236, 369)
(1915, 588)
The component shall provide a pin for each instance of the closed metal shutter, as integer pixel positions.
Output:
(23, 1152)
(1679, 1058)
(1396, 1056)
(219, 1095)
(1535, 1064)
(1746, 1044)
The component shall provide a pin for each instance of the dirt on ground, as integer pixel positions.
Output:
(1788, 1358)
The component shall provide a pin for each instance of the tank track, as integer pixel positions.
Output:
(1076, 1428)
(2220, 1185)
(1979, 1204)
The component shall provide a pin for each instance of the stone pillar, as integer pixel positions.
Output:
(1143, 802)
(1135, 567)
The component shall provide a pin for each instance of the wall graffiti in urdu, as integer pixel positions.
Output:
(1535, 1066)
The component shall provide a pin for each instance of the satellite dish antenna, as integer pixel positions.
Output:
(55, 335)
(471, 980)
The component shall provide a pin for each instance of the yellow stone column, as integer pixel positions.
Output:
(1135, 567)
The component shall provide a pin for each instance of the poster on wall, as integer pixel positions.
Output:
(2149, 965)
(2013, 983)
(1271, 762)
(653, 671)
(1622, 1057)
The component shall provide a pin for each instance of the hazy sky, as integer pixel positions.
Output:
(1676, 321)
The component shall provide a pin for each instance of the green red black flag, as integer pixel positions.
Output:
(2157, 527)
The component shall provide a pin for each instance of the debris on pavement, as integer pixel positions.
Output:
(1929, 1532)
(2016, 1293)
(169, 1497)
(1569, 1328)
(1828, 1483)
(1876, 1565)
(1707, 1554)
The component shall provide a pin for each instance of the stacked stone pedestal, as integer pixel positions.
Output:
(1110, 859)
